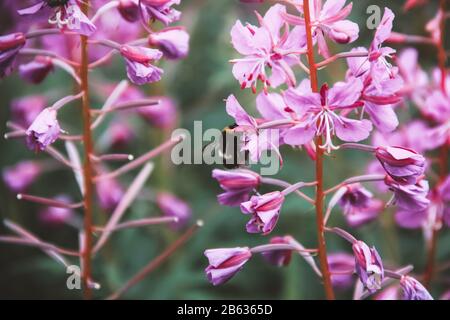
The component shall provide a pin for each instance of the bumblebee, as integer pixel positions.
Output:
(229, 148)
(56, 3)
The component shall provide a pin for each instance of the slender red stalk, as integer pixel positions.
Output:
(443, 160)
(319, 164)
(87, 167)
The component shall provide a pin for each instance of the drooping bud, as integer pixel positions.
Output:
(225, 263)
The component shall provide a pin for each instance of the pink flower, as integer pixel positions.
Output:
(342, 266)
(265, 210)
(403, 165)
(444, 194)
(376, 64)
(120, 134)
(225, 263)
(410, 4)
(413, 289)
(25, 110)
(279, 258)
(20, 176)
(43, 131)
(163, 115)
(359, 206)
(173, 42)
(10, 45)
(172, 206)
(238, 184)
(54, 216)
(328, 20)
(139, 68)
(109, 193)
(37, 70)
(414, 77)
(264, 47)
(129, 10)
(319, 114)
(66, 15)
(411, 197)
(161, 10)
(255, 141)
(368, 265)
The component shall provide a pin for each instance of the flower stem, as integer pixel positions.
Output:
(319, 164)
(87, 167)
(443, 163)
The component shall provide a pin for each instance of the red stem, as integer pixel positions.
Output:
(87, 167)
(319, 164)
(443, 160)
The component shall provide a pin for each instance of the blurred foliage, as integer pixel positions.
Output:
(199, 83)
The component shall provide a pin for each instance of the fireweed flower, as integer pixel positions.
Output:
(120, 134)
(238, 184)
(265, 210)
(411, 197)
(319, 114)
(160, 10)
(279, 258)
(172, 206)
(225, 263)
(255, 141)
(375, 63)
(444, 193)
(9, 48)
(359, 206)
(368, 265)
(328, 21)
(109, 193)
(173, 42)
(129, 10)
(164, 115)
(54, 216)
(139, 68)
(43, 131)
(413, 289)
(263, 47)
(342, 267)
(37, 70)
(66, 15)
(20, 176)
(401, 164)
(25, 110)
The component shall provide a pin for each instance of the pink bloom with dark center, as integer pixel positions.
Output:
(264, 47)
(225, 263)
(238, 184)
(173, 42)
(43, 131)
(265, 210)
(20, 176)
(37, 70)
(359, 206)
(172, 206)
(139, 68)
(368, 265)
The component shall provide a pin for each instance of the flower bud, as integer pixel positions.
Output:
(368, 265)
(37, 70)
(164, 115)
(279, 258)
(20, 176)
(25, 110)
(225, 263)
(129, 10)
(54, 216)
(139, 69)
(265, 210)
(9, 48)
(172, 206)
(173, 42)
(43, 131)
(238, 184)
(342, 266)
(413, 289)
(402, 164)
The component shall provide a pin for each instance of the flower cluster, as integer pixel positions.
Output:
(57, 37)
(322, 119)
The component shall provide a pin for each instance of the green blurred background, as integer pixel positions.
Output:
(199, 84)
